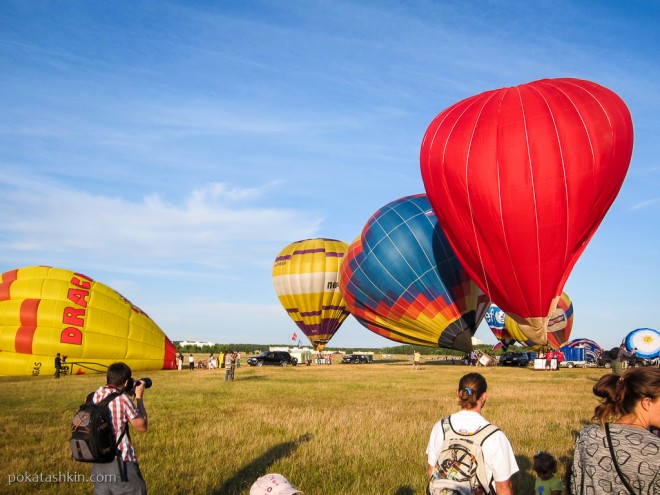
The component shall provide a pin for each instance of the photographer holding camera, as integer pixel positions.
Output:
(123, 411)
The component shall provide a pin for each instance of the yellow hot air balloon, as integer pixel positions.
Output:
(45, 311)
(305, 280)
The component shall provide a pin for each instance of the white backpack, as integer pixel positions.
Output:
(460, 469)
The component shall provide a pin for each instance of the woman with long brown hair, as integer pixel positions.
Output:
(618, 454)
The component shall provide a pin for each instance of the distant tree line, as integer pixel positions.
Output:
(399, 349)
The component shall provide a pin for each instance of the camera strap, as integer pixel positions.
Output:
(120, 465)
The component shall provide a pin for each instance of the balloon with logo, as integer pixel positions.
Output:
(559, 326)
(45, 311)
(520, 179)
(495, 320)
(646, 341)
(401, 279)
(305, 281)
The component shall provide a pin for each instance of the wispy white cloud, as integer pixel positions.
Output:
(645, 204)
(213, 226)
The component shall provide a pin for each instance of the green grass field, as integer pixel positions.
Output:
(340, 429)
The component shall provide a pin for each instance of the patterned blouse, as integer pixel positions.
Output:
(638, 455)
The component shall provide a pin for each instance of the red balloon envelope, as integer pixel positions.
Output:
(520, 178)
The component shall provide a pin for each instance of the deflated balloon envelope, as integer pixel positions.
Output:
(559, 325)
(520, 179)
(401, 279)
(305, 280)
(508, 331)
(45, 310)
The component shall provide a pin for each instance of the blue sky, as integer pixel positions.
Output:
(171, 149)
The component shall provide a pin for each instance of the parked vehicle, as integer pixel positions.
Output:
(634, 362)
(355, 359)
(272, 358)
(573, 356)
(515, 359)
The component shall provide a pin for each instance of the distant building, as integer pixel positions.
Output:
(197, 344)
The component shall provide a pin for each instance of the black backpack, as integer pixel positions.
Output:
(92, 434)
(614, 352)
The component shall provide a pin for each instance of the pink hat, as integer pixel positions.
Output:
(273, 484)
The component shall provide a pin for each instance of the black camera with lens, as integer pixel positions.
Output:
(132, 383)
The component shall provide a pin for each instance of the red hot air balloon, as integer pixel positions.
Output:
(520, 178)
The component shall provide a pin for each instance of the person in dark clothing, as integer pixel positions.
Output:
(58, 365)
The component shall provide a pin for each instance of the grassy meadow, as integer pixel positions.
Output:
(340, 429)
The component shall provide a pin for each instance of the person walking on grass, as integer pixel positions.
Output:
(492, 461)
(58, 365)
(229, 367)
(417, 356)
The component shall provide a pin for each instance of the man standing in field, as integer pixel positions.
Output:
(58, 365)
(416, 358)
(107, 477)
(621, 356)
(229, 366)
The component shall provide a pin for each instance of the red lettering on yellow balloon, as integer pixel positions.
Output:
(73, 316)
(77, 296)
(71, 335)
(83, 284)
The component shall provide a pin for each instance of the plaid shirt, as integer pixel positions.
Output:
(122, 410)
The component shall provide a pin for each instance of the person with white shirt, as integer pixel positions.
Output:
(499, 460)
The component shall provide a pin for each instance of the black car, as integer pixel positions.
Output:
(634, 362)
(515, 359)
(355, 359)
(273, 358)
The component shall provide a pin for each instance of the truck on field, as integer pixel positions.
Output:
(574, 357)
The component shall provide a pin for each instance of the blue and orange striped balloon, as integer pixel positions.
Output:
(402, 280)
(305, 280)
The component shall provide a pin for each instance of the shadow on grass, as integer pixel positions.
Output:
(444, 362)
(431, 362)
(568, 472)
(525, 478)
(404, 490)
(248, 474)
